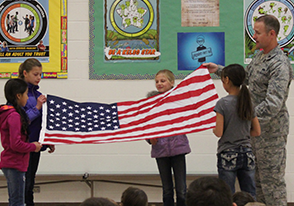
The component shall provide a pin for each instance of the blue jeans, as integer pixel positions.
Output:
(165, 167)
(30, 178)
(15, 184)
(240, 163)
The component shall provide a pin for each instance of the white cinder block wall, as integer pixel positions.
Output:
(124, 158)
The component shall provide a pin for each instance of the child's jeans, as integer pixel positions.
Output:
(238, 162)
(16, 184)
(166, 165)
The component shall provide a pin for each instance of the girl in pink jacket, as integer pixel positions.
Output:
(14, 139)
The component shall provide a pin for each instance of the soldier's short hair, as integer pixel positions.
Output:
(270, 22)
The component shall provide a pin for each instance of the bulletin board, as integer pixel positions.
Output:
(33, 29)
(170, 20)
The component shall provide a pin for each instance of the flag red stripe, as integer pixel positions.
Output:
(196, 79)
(175, 98)
(172, 111)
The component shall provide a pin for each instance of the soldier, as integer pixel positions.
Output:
(269, 75)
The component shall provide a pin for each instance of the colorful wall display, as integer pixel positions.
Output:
(33, 29)
(283, 10)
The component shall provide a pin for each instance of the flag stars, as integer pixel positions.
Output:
(70, 116)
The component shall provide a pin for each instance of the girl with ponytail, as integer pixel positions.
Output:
(236, 121)
(14, 138)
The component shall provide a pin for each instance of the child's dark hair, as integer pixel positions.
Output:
(98, 201)
(27, 66)
(133, 196)
(11, 89)
(237, 75)
(241, 198)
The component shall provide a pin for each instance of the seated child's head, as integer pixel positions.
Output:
(134, 197)
(242, 198)
(98, 201)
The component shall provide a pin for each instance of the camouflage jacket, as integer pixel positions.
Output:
(269, 77)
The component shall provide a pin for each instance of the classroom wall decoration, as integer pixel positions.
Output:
(283, 10)
(196, 48)
(131, 30)
(33, 29)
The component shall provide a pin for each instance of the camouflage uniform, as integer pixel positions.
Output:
(269, 77)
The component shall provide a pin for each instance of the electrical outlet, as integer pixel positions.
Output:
(37, 189)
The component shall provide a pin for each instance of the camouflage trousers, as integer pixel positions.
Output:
(270, 153)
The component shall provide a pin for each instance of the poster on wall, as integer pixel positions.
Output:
(283, 10)
(200, 13)
(131, 30)
(33, 29)
(196, 48)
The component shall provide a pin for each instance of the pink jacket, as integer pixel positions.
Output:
(17, 150)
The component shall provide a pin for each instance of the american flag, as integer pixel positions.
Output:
(187, 108)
